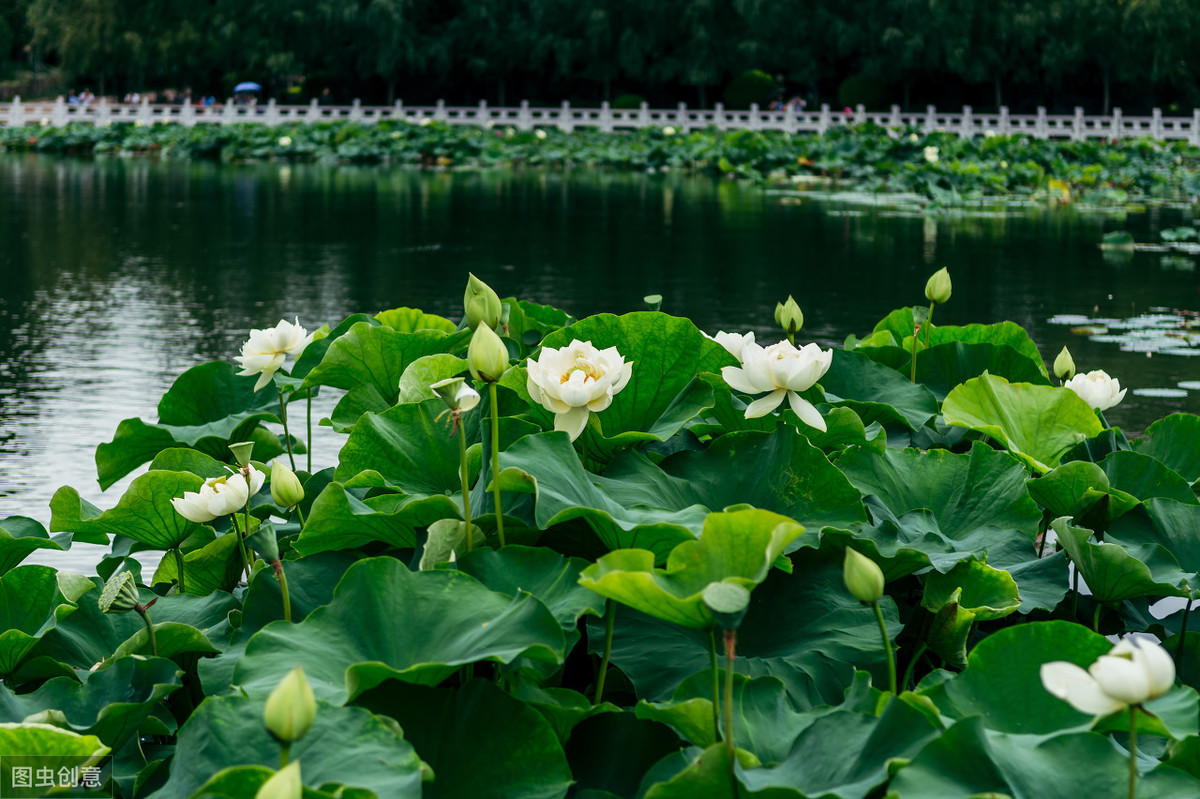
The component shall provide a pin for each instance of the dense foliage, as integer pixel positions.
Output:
(574, 649)
(938, 167)
(1057, 53)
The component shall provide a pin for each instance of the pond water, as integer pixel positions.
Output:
(118, 274)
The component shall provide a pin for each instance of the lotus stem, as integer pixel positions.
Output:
(309, 441)
(496, 460)
(1187, 609)
(912, 372)
(731, 752)
(179, 567)
(716, 682)
(248, 559)
(466, 486)
(1133, 711)
(242, 542)
(610, 617)
(1096, 618)
(287, 437)
(929, 323)
(285, 750)
(887, 647)
(912, 664)
(300, 513)
(144, 612)
(283, 590)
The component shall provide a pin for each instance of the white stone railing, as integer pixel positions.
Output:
(1077, 126)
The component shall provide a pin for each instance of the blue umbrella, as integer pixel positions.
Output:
(247, 86)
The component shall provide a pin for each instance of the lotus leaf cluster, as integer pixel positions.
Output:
(696, 593)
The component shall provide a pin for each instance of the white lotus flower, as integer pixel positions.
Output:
(931, 154)
(266, 349)
(575, 380)
(782, 370)
(541, 134)
(668, 131)
(732, 342)
(285, 141)
(1133, 671)
(1097, 389)
(219, 496)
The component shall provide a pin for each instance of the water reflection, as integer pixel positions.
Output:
(118, 274)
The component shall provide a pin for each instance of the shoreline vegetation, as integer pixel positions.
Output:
(940, 168)
(619, 556)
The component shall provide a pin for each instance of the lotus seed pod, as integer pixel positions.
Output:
(863, 577)
(727, 602)
(290, 708)
(487, 356)
(1064, 365)
(937, 288)
(480, 304)
(286, 489)
(789, 316)
(241, 452)
(455, 392)
(120, 594)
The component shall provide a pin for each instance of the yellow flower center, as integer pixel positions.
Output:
(584, 368)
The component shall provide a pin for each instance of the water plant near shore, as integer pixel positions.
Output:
(686, 600)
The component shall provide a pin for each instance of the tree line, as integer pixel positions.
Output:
(1019, 53)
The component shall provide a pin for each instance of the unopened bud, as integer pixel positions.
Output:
(788, 316)
(286, 489)
(480, 304)
(863, 577)
(487, 356)
(120, 594)
(937, 288)
(1064, 365)
(455, 392)
(290, 708)
(284, 784)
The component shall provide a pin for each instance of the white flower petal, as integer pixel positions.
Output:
(572, 422)
(738, 380)
(807, 412)
(764, 405)
(1121, 679)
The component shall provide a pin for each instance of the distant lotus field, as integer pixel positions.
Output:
(620, 556)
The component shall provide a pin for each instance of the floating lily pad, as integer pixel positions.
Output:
(1160, 392)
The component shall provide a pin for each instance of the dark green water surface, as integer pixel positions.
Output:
(116, 275)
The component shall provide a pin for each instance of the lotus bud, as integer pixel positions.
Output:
(487, 356)
(285, 486)
(937, 288)
(290, 708)
(788, 316)
(241, 452)
(1064, 365)
(284, 784)
(120, 594)
(455, 392)
(863, 577)
(727, 602)
(480, 304)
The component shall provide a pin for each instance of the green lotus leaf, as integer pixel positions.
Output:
(780, 472)
(667, 353)
(965, 491)
(33, 600)
(1082, 490)
(44, 746)
(1037, 424)
(944, 366)
(970, 760)
(803, 628)
(361, 399)
(1174, 715)
(876, 392)
(216, 566)
(562, 707)
(88, 637)
(378, 356)
(547, 466)
(611, 752)
(227, 731)
(1174, 441)
(728, 412)
(340, 520)
(1115, 572)
(697, 773)
(1163, 522)
(417, 377)
(239, 781)
(20, 536)
(144, 512)
(438, 621)
(174, 640)
(1098, 447)
(112, 704)
(207, 408)
(529, 322)
(514, 754)
(1145, 478)
(1001, 334)
(845, 753)
(408, 446)
(986, 592)
(737, 547)
(550, 577)
(315, 352)
(182, 459)
(410, 320)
